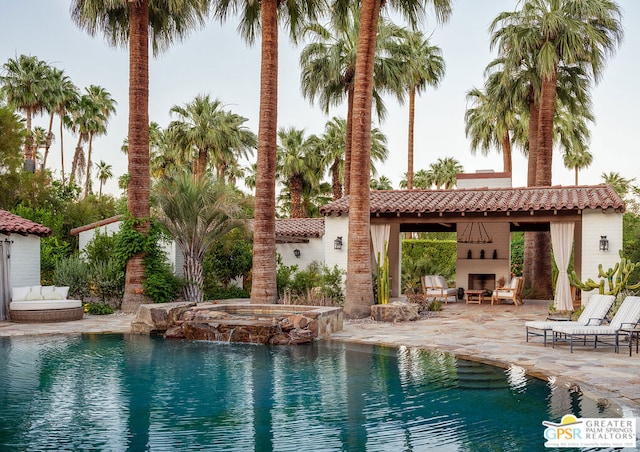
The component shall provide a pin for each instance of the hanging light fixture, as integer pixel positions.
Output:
(337, 243)
(475, 233)
(296, 253)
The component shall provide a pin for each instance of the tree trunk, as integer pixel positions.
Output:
(529, 237)
(348, 142)
(29, 151)
(87, 179)
(506, 154)
(542, 254)
(336, 186)
(193, 275)
(202, 163)
(138, 134)
(61, 154)
(412, 115)
(295, 191)
(359, 290)
(49, 141)
(74, 162)
(263, 289)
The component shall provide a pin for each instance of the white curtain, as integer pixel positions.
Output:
(5, 252)
(562, 243)
(380, 237)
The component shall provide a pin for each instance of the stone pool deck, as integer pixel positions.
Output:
(491, 334)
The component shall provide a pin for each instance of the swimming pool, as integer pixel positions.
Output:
(131, 392)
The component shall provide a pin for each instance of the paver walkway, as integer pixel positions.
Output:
(491, 334)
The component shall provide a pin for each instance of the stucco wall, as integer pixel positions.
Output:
(500, 267)
(309, 252)
(594, 224)
(336, 227)
(25, 260)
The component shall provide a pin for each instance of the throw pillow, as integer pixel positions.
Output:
(19, 293)
(63, 290)
(32, 296)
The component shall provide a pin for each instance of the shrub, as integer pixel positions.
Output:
(107, 279)
(224, 293)
(72, 272)
(316, 285)
(99, 309)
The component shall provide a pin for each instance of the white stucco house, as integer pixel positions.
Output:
(111, 226)
(19, 254)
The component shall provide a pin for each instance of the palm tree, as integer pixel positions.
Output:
(381, 183)
(443, 173)
(39, 138)
(577, 160)
(62, 95)
(134, 23)
(24, 83)
(98, 105)
(328, 68)
(359, 288)
(299, 164)
(556, 33)
(197, 213)
(217, 136)
(104, 174)
(423, 66)
(263, 16)
(620, 184)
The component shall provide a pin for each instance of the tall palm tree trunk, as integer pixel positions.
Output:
(542, 256)
(506, 153)
(348, 142)
(295, 191)
(138, 134)
(61, 154)
(29, 149)
(76, 159)
(336, 186)
(263, 288)
(49, 141)
(529, 237)
(412, 115)
(87, 180)
(202, 163)
(359, 289)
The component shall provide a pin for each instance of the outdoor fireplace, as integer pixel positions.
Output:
(482, 281)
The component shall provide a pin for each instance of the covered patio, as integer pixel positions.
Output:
(580, 216)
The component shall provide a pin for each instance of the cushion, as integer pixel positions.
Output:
(44, 289)
(44, 305)
(36, 289)
(64, 291)
(31, 296)
(19, 293)
(427, 281)
(439, 281)
(514, 283)
(52, 296)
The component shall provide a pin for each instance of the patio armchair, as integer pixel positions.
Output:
(436, 287)
(627, 318)
(594, 313)
(513, 291)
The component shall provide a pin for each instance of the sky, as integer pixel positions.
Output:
(214, 60)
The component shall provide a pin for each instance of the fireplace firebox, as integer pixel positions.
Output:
(482, 281)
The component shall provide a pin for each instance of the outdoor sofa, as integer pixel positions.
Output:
(38, 304)
(436, 287)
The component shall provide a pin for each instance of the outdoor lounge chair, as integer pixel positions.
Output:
(511, 292)
(593, 314)
(626, 318)
(435, 287)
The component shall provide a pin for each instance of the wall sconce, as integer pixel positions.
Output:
(337, 243)
(604, 243)
(296, 253)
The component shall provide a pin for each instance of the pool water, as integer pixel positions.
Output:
(130, 392)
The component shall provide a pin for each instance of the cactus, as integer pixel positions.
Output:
(612, 280)
(383, 277)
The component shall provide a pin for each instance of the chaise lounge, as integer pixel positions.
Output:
(41, 304)
(627, 318)
(593, 314)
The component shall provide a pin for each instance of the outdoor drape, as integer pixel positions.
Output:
(380, 238)
(562, 243)
(5, 247)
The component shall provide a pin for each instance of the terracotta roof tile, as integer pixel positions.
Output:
(521, 199)
(14, 224)
(298, 227)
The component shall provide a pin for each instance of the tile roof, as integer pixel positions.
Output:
(297, 227)
(14, 224)
(96, 224)
(522, 199)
